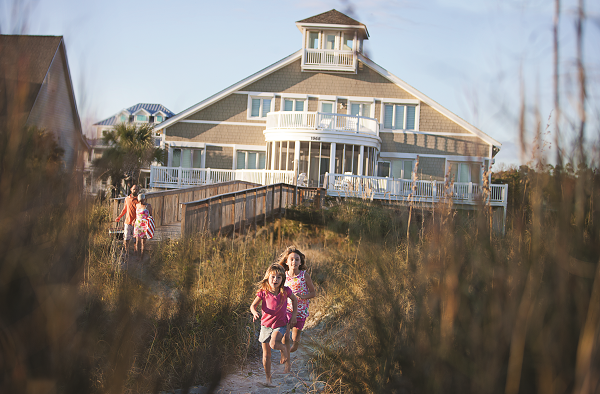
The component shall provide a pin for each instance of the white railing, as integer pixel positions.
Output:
(417, 191)
(322, 121)
(178, 177)
(329, 58)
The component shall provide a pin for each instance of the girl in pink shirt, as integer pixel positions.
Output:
(273, 323)
(297, 279)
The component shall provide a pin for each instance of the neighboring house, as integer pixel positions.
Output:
(138, 114)
(36, 90)
(326, 108)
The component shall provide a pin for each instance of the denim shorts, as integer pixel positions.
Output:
(265, 333)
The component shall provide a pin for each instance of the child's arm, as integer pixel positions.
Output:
(294, 306)
(311, 288)
(253, 308)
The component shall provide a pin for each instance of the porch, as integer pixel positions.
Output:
(329, 60)
(341, 123)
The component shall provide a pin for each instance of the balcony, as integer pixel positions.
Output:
(406, 190)
(180, 177)
(329, 60)
(352, 124)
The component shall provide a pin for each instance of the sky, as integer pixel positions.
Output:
(476, 58)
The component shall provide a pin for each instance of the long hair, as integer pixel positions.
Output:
(284, 256)
(276, 269)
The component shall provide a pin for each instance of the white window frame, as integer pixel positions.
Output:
(193, 149)
(294, 99)
(469, 165)
(394, 103)
(319, 38)
(247, 155)
(262, 97)
(333, 102)
(361, 103)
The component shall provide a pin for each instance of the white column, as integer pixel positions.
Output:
(361, 154)
(332, 149)
(272, 155)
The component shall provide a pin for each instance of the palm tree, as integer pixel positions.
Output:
(131, 148)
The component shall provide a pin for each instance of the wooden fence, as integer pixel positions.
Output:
(166, 206)
(237, 211)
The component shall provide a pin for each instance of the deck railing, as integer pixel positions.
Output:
(322, 121)
(179, 177)
(329, 59)
(418, 191)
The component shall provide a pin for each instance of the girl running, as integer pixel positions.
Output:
(273, 323)
(299, 281)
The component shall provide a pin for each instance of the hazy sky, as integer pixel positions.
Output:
(467, 55)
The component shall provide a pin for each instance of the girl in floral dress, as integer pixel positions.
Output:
(297, 279)
(143, 211)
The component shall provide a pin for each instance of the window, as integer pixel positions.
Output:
(465, 172)
(360, 109)
(293, 105)
(347, 41)
(141, 118)
(260, 107)
(383, 168)
(186, 158)
(158, 119)
(329, 40)
(327, 107)
(399, 117)
(123, 118)
(403, 168)
(313, 40)
(248, 160)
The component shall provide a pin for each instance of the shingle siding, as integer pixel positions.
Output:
(216, 133)
(232, 108)
(431, 168)
(433, 145)
(219, 157)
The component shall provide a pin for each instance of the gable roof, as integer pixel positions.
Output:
(151, 108)
(332, 17)
(369, 63)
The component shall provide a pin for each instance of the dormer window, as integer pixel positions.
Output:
(141, 118)
(123, 118)
(158, 119)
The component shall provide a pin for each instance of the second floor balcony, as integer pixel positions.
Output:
(352, 124)
(329, 59)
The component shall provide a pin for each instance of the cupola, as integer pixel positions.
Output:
(331, 42)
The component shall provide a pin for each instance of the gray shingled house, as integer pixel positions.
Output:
(324, 113)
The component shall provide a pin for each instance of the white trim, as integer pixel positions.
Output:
(186, 144)
(399, 101)
(396, 155)
(254, 148)
(139, 110)
(461, 122)
(261, 97)
(226, 92)
(262, 124)
(433, 133)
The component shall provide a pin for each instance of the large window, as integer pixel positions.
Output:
(401, 168)
(260, 107)
(141, 118)
(465, 172)
(186, 158)
(248, 160)
(399, 117)
(360, 109)
(293, 105)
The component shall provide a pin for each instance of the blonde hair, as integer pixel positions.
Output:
(288, 251)
(264, 284)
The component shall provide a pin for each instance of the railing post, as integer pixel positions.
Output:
(434, 191)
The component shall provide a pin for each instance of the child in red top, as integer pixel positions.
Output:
(274, 320)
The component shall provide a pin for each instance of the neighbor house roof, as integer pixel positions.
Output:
(24, 63)
(151, 108)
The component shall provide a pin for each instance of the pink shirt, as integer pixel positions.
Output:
(273, 308)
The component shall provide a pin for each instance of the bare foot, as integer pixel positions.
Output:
(267, 384)
(288, 366)
(283, 359)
